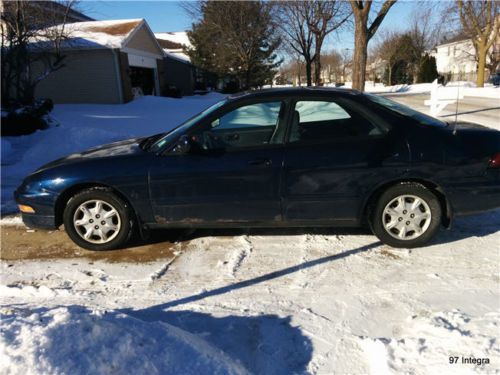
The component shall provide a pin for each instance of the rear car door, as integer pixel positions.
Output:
(233, 177)
(337, 153)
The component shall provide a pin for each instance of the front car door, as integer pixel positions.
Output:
(232, 174)
(337, 152)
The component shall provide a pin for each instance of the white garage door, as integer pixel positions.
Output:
(141, 61)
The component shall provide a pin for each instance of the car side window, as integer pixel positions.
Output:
(316, 120)
(246, 126)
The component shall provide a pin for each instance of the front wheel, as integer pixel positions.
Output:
(96, 219)
(406, 215)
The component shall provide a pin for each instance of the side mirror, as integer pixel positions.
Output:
(182, 146)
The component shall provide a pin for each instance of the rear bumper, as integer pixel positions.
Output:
(473, 197)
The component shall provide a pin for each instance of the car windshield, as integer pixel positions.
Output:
(406, 111)
(181, 129)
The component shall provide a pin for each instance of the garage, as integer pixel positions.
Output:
(143, 75)
(106, 62)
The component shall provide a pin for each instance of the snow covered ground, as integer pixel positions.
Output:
(263, 302)
(235, 302)
(466, 88)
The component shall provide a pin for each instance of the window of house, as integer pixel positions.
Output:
(315, 120)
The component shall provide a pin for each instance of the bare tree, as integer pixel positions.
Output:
(389, 49)
(325, 17)
(305, 26)
(293, 18)
(25, 45)
(332, 64)
(480, 21)
(362, 35)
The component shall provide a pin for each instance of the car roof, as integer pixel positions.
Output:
(293, 91)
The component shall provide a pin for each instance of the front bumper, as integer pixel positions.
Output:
(44, 206)
(39, 221)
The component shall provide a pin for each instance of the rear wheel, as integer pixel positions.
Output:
(97, 219)
(406, 215)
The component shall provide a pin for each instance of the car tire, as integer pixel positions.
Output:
(406, 215)
(97, 219)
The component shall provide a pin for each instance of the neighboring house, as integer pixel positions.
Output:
(105, 62)
(38, 14)
(455, 59)
(180, 72)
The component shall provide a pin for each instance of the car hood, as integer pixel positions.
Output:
(121, 148)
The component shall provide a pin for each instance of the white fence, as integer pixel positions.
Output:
(441, 96)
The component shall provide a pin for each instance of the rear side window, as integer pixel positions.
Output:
(316, 120)
(312, 111)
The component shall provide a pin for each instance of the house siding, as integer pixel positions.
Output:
(178, 74)
(88, 77)
(143, 41)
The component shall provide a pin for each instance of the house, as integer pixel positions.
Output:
(105, 62)
(455, 58)
(179, 73)
(39, 14)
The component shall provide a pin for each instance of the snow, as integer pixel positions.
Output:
(82, 126)
(92, 34)
(181, 56)
(179, 37)
(465, 87)
(262, 302)
(77, 340)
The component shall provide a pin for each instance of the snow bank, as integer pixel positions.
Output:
(431, 340)
(82, 126)
(467, 88)
(76, 340)
(12, 220)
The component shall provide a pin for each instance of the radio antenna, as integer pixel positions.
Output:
(456, 110)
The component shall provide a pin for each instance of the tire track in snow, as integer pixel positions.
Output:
(238, 256)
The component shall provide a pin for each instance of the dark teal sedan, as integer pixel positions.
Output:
(298, 157)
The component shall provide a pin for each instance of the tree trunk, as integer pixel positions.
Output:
(308, 72)
(317, 63)
(481, 50)
(317, 71)
(360, 55)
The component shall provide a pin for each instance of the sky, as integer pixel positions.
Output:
(170, 16)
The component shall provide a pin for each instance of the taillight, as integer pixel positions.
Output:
(495, 161)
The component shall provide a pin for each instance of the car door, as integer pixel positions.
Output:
(232, 174)
(337, 152)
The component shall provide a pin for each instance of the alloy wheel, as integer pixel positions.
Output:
(406, 217)
(97, 221)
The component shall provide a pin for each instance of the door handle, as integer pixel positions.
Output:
(265, 162)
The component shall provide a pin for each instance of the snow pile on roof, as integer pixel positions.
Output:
(92, 34)
(76, 340)
(179, 37)
(175, 44)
